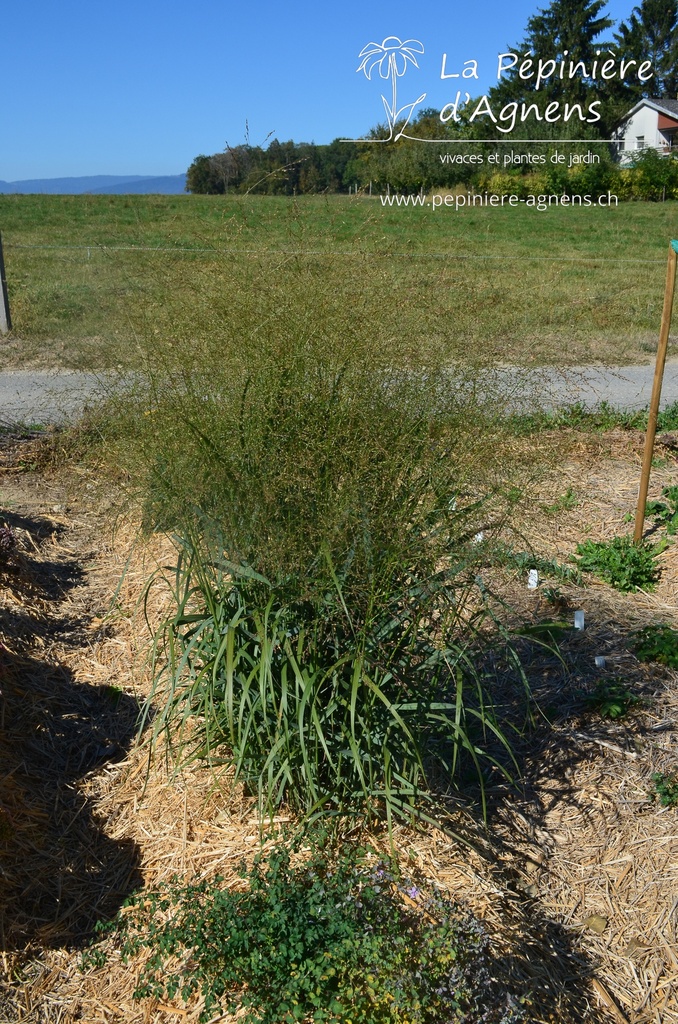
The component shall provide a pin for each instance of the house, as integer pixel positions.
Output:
(650, 124)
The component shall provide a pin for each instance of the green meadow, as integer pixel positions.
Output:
(88, 275)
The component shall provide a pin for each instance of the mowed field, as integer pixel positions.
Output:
(89, 276)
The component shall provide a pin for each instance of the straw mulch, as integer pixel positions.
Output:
(576, 878)
(590, 844)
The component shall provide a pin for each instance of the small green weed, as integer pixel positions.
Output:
(611, 699)
(335, 938)
(565, 503)
(514, 494)
(604, 417)
(94, 956)
(666, 788)
(668, 419)
(665, 514)
(579, 417)
(620, 562)
(658, 643)
(557, 600)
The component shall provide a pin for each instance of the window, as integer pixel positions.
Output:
(640, 142)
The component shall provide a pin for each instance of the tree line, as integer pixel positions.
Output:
(568, 29)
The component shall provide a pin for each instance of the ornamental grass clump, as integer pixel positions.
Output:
(326, 498)
(320, 712)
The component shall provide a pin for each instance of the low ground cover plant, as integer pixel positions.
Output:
(338, 936)
(522, 561)
(611, 698)
(621, 563)
(665, 513)
(657, 643)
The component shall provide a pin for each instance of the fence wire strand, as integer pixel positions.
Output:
(332, 252)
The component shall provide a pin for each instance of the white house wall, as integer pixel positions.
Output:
(643, 123)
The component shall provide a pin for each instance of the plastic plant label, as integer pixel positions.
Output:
(532, 579)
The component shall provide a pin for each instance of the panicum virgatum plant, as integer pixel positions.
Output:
(327, 496)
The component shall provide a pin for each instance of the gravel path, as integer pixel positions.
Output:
(624, 387)
(44, 396)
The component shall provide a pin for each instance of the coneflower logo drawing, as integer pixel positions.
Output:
(392, 57)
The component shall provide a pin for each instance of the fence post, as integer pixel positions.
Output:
(656, 390)
(5, 318)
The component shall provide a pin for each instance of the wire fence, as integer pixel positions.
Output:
(92, 300)
(362, 253)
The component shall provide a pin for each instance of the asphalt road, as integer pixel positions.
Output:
(45, 397)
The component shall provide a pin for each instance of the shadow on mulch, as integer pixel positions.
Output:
(562, 724)
(40, 528)
(546, 963)
(567, 710)
(59, 872)
(42, 579)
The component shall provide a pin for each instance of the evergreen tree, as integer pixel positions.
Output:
(568, 30)
(651, 33)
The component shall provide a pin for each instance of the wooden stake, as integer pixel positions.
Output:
(5, 318)
(656, 391)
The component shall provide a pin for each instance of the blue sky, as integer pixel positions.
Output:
(143, 87)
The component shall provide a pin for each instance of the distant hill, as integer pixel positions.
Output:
(169, 185)
(117, 184)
